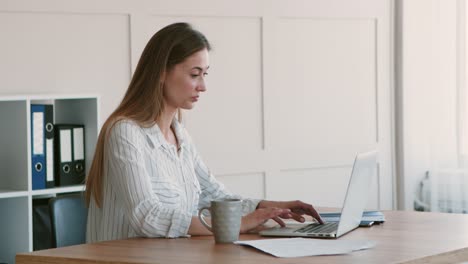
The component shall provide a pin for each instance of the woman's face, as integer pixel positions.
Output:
(186, 80)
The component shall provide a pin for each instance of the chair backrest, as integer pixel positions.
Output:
(68, 215)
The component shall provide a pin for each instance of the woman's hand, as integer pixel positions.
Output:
(297, 210)
(254, 221)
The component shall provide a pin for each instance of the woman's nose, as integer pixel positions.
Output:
(202, 86)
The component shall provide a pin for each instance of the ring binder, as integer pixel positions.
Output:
(42, 136)
(49, 136)
(66, 168)
(38, 166)
(69, 152)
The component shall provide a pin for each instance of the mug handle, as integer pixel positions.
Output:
(202, 218)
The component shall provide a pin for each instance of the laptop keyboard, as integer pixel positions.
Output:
(318, 228)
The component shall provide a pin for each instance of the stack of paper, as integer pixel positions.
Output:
(302, 247)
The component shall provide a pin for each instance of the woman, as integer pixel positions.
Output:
(147, 178)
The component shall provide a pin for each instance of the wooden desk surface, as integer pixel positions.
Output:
(404, 237)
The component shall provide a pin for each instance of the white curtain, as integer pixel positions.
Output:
(462, 74)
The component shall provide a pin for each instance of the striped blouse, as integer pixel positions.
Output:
(151, 189)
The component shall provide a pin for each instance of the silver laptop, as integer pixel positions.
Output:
(364, 170)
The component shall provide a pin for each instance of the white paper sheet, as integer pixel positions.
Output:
(302, 247)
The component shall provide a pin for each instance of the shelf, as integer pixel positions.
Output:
(12, 193)
(16, 194)
(14, 158)
(67, 189)
(14, 229)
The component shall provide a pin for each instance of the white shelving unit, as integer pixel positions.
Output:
(16, 194)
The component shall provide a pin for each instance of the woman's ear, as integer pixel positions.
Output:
(162, 78)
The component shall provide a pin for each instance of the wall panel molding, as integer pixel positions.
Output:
(256, 124)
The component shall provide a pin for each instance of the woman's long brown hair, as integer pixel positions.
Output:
(143, 101)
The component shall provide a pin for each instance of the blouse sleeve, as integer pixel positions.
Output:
(147, 215)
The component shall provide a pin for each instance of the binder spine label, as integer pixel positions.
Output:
(38, 133)
(78, 144)
(50, 160)
(65, 145)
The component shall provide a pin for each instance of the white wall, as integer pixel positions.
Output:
(427, 92)
(65, 53)
(296, 88)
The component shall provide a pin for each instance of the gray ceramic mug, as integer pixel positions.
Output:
(225, 219)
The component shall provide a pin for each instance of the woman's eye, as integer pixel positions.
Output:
(198, 75)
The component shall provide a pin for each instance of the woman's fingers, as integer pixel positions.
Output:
(297, 217)
(260, 216)
(272, 213)
(297, 207)
(301, 208)
(314, 214)
(279, 221)
(286, 210)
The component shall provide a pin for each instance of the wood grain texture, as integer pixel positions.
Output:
(405, 237)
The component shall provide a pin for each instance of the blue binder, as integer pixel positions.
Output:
(42, 146)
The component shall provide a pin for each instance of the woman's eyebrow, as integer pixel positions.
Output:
(200, 68)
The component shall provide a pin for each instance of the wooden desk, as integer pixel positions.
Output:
(405, 237)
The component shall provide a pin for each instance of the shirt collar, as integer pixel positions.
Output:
(158, 138)
(179, 132)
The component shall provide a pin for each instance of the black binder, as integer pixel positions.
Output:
(70, 154)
